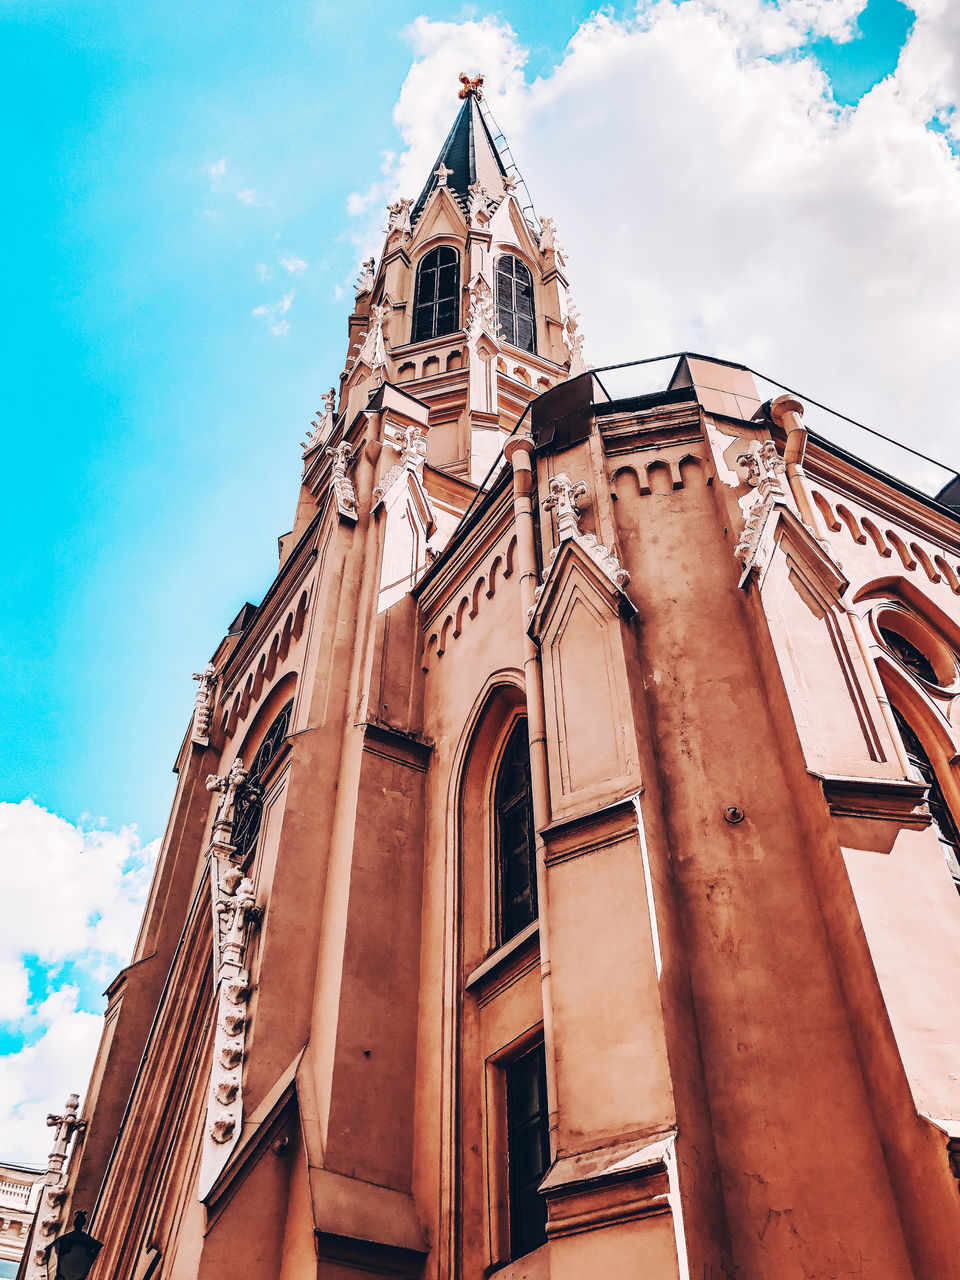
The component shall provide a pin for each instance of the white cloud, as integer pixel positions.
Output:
(79, 895)
(275, 314)
(294, 264)
(216, 170)
(248, 195)
(712, 195)
(263, 271)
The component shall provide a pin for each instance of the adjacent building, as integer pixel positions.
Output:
(562, 875)
(19, 1194)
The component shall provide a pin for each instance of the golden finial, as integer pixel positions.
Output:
(471, 88)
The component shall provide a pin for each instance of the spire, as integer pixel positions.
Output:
(467, 157)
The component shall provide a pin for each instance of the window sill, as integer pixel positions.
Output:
(497, 959)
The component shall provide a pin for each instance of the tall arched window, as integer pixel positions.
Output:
(943, 823)
(515, 848)
(515, 302)
(436, 307)
(247, 826)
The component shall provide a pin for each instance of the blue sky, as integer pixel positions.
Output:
(181, 245)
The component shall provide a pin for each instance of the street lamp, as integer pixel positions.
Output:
(71, 1255)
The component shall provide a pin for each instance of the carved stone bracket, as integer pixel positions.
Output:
(343, 490)
(203, 708)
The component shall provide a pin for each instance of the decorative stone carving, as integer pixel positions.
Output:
(234, 909)
(510, 184)
(230, 787)
(761, 467)
(343, 490)
(411, 444)
(562, 500)
(53, 1196)
(398, 216)
(365, 278)
(481, 311)
(442, 173)
(548, 235)
(203, 708)
(371, 349)
(478, 203)
(322, 425)
(573, 338)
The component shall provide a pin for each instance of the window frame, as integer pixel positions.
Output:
(433, 305)
(503, 931)
(522, 1238)
(513, 311)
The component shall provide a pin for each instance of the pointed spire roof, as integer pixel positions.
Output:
(469, 155)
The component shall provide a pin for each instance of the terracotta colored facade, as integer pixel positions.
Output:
(546, 843)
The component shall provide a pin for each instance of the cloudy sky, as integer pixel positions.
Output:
(193, 188)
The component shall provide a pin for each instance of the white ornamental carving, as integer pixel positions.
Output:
(411, 444)
(203, 707)
(761, 468)
(365, 278)
(398, 217)
(371, 349)
(562, 501)
(442, 173)
(477, 203)
(322, 425)
(343, 490)
(481, 311)
(229, 786)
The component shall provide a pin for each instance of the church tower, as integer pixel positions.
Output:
(562, 876)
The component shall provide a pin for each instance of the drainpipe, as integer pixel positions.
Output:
(787, 413)
(519, 451)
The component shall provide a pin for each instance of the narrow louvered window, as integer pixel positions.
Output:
(515, 303)
(250, 811)
(528, 1150)
(516, 851)
(437, 305)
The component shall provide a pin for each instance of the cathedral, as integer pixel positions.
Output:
(562, 877)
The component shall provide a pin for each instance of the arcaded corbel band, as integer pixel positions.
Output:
(787, 413)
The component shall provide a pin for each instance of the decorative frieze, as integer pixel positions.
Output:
(411, 444)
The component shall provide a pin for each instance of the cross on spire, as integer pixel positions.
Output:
(442, 173)
(471, 88)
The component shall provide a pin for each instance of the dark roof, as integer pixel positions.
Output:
(469, 152)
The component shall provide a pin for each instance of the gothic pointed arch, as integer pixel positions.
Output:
(262, 745)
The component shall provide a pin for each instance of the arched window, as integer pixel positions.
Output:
(247, 826)
(437, 305)
(515, 848)
(921, 766)
(515, 303)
